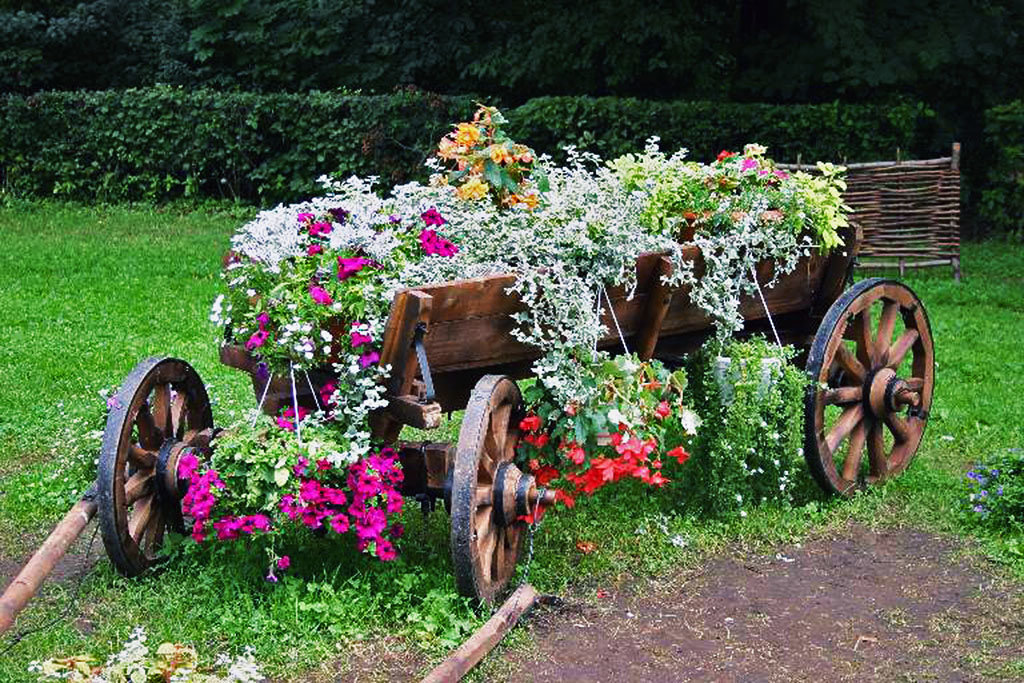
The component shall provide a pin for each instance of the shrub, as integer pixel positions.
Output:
(754, 454)
(612, 126)
(1002, 201)
(166, 142)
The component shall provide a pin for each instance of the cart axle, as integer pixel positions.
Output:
(27, 582)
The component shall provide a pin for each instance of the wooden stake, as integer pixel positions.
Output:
(27, 582)
(487, 636)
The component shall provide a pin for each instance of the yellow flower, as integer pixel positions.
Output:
(467, 134)
(500, 154)
(474, 188)
(531, 200)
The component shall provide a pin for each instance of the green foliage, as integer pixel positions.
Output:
(1002, 202)
(995, 496)
(613, 126)
(753, 452)
(166, 142)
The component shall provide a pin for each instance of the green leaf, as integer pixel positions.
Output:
(281, 476)
(493, 174)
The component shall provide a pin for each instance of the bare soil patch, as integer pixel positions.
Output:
(887, 605)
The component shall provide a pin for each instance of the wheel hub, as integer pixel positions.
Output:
(515, 494)
(167, 481)
(887, 393)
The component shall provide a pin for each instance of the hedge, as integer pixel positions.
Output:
(1002, 200)
(612, 126)
(167, 142)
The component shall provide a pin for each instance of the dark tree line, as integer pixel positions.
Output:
(768, 50)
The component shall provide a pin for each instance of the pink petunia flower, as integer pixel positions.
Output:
(433, 217)
(284, 562)
(347, 267)
(368, 359)
(320, 295)
(314, 249)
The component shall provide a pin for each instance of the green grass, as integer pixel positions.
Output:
(87, 292)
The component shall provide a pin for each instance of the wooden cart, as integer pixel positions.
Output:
(868, 352)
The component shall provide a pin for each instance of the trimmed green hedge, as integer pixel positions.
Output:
(1002, 200)
(612, 126)
(167, 142)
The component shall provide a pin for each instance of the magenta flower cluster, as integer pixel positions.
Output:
(286, 420)
(372, 485)
(259, 338)
(373, 482)
(432, 243)
(199, 499)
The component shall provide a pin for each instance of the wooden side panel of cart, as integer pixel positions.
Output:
(469, 328)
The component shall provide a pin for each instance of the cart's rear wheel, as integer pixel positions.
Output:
(160, 413)
(872, 371)
(488, 492)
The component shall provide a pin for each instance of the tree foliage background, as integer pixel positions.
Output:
(958, 56)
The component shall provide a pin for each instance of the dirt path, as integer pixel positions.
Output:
(886, 606)
(891, 605)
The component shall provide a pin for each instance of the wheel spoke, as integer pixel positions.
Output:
(499, 430)
(900, 348)
(843, 426)
(137, 486)
(898, 426)
(162, 409)
(886, 325)
(915, 383)
(482, 496)
(498, 565)
(862, 336)
(843, 396)
(178, 415)
(154, 532)
(853, 456)
(876, 451)
(143, 510)
(141, 458)
(849, 364)
(149, 437)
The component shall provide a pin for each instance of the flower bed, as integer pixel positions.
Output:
(310, 286)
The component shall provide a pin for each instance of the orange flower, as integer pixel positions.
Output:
(500, 154)
(467, 134)
(447, 149)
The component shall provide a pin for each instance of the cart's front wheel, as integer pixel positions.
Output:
(160, 413)
(488, 492)
(871, 386)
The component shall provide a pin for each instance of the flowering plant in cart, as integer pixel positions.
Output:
(637, 425)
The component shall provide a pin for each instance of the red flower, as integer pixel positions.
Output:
(575, 452)
(725, 154)
(546, 474)
(530, 423)
(663, 410)
(679, 454)
(564, 498)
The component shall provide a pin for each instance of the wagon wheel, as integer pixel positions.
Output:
(871, 386)
(488, 492)
(160, 413)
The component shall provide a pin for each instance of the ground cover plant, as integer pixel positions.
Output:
(88, 292)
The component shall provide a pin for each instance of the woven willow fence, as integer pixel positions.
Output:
(909, 211)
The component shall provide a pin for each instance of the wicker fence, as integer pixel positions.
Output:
(909, 211)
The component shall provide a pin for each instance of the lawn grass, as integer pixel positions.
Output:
(87, 292)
